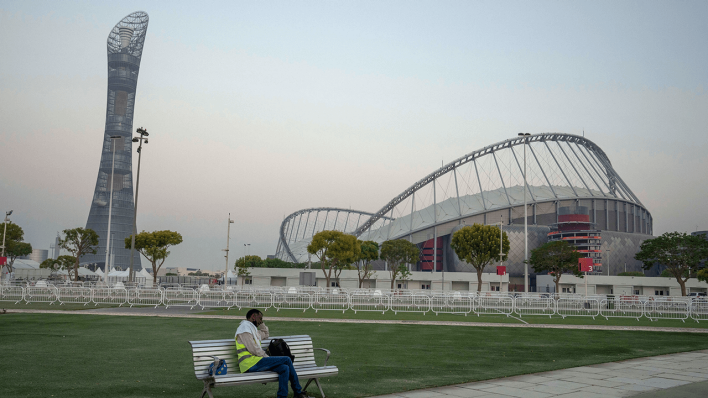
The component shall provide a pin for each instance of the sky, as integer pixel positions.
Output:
(260, 109)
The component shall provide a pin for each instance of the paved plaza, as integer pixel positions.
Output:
(675, 375)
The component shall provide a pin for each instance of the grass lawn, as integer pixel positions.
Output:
(66, 355)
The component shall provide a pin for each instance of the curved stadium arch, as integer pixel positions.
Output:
(565, 174)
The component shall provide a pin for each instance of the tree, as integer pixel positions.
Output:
(242, 264)
(478, 245)
(250, 261)
(556, 258)
(14, 245)
(334, 249)
(679, 252)
(397, 253)
(153, 246)
(78, 242)
(369, 253)
(65, 263)
(702, 275)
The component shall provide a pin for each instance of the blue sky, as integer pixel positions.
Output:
(264, 108)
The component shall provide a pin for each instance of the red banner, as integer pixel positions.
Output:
(585, 264)
(501, 269)
(3, 260)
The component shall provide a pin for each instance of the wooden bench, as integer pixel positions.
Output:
(207, 351)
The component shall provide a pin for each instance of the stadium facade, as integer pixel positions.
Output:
(573, 194)
(125, 48)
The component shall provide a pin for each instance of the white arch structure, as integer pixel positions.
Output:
(490, 181)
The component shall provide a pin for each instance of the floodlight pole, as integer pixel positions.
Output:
(228, 238)
(7, 214)
(110, 208)
(143, 134)
(526, 223)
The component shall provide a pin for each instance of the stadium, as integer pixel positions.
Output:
(572, 193)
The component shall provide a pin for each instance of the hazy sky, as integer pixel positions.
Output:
(264, 108)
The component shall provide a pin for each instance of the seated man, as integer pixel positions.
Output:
(251, 358)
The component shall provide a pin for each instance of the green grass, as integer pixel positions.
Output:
(409, 316)
(74, 355)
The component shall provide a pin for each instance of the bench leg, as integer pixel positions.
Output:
(317, 381)
(207, 390)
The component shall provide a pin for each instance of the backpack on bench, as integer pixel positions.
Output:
(279, 348)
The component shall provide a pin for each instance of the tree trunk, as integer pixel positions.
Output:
(479, 279)
(393, 278)
(557, 281)
(683, 286)
(76, 270)
(154, 278)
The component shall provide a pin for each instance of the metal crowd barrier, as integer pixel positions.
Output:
(145, 297)
(540, 304)
(364, 301)
(41, 294)
(179, 297)
(699, 310)
(323, 301)
(107, 295)
(12, 293)
(578, 306)
(292, 301)
(451, 303)
(377, 300)
(623, 307)
(668, 308)
(74, 295)
(415, 302)
(493, 304)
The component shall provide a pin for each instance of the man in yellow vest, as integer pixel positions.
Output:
(252, 358)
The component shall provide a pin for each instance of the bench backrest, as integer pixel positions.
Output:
(203, 352)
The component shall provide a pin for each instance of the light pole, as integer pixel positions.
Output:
(228, 232)
(110, 207)
(143, 137)
(608, 261)
(501, 249)
(7, 214)
(526, 223)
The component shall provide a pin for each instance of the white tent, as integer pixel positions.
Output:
(144, 274)
(99, 272)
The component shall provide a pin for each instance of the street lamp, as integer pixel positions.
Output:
(7, 214)
(143, 137)
(608, 261)
(526, 223)
(228, 232)
(110, 205)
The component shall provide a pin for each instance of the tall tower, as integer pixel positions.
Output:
(125, 49)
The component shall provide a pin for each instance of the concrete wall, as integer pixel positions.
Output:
(620, 285)
(461, 281)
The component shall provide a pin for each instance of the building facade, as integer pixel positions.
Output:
(125, 47)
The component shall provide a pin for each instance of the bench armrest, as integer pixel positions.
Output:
(328, 354)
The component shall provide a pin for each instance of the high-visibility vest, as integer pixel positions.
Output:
(245, 359)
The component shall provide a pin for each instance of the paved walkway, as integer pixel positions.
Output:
(675, 375)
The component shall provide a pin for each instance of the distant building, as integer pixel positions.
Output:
(125, 48)
(573, 193)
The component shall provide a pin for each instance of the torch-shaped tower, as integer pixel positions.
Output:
(125, 49)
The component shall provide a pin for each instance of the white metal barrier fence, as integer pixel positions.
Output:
(451, 303)
(623, 307)
(668, 308)
(699, 310)
(108, 295)
(145, 297)
(492, 304)
(74, 295)
(578, 306)
(12, 293)
(41, 294)
(409, 303)
(528, 305)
